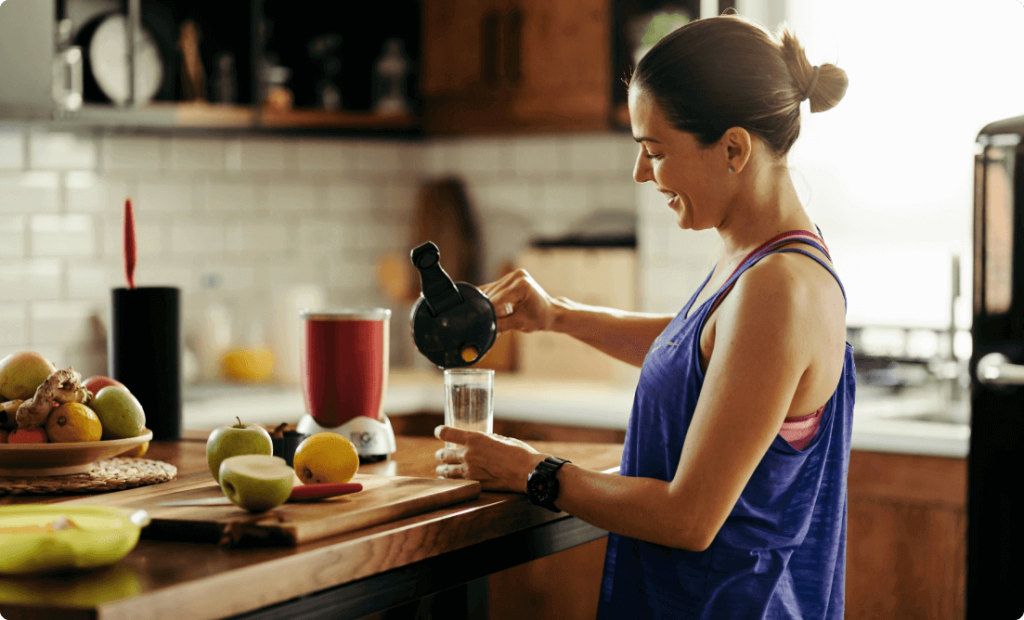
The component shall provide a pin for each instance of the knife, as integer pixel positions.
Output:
(299, 493)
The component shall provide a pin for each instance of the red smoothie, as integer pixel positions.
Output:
(344, 367)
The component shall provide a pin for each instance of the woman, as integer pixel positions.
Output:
(731, 498)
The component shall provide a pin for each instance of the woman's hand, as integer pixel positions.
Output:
(521, 304)
(499, 463)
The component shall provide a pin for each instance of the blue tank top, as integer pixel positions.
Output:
(781, 553)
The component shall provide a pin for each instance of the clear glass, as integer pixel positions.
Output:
(469, 400)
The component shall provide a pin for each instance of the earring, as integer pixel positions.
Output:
(731, 170)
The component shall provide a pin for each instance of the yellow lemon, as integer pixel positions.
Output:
(325, 457)
(73, 422)
(248, 365)
(135, 452)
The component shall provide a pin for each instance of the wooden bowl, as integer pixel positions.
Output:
(61, 459)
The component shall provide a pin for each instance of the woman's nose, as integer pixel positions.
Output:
(642, 169)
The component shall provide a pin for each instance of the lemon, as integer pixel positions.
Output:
(135, 452)
(325, 457)
(248, 365)
(73, 422)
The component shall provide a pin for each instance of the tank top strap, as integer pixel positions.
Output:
(771, 247)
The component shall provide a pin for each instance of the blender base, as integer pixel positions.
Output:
(374, 439)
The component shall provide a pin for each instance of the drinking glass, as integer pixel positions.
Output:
(469, 400)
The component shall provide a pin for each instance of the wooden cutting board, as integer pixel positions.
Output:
(383, 499)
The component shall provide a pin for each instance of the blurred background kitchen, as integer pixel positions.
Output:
(283, 155)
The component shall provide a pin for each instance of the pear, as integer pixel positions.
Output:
(256, 482)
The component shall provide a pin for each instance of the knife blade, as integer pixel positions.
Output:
(299, 493)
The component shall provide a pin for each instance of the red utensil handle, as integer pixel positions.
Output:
(316, 491)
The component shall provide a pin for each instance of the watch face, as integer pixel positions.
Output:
(540, 488)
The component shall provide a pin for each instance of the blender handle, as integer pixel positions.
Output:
(439, 292)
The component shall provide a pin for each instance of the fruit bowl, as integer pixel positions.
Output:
(62, 459)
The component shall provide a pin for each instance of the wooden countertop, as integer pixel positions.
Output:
(352, 574)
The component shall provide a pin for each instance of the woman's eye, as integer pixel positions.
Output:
(652, 155)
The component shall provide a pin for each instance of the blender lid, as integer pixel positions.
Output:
(346, 314)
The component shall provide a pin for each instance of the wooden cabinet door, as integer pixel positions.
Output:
(501, 66)
(453, 44)
(566, 64)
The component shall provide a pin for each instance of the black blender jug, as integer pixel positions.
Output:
(453, 324)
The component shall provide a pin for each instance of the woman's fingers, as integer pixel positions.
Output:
(451, 455)
(451, 471)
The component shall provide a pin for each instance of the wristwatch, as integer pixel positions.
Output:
(542, 484)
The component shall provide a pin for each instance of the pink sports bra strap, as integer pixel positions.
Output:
(766, 248)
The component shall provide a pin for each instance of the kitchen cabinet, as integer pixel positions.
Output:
(501, 66)
(252, 35)
(906, 552)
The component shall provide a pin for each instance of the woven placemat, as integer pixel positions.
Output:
(106, 475)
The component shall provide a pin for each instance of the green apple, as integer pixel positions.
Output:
(119, 412)
(256, 482)
(236, 440)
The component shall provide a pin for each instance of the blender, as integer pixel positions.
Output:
(345, 376)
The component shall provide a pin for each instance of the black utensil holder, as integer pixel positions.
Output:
(145, 353)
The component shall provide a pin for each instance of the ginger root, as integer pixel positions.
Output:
(62, 386)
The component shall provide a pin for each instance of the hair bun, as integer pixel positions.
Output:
(825, 85)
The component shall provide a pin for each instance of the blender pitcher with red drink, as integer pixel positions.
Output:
(344, 377)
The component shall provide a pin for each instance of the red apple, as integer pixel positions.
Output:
(97, 383)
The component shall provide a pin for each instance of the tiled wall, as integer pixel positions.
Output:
(239, 221)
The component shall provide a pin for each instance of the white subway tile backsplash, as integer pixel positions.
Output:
(317, 155)
(96, 193)
(93, 280)
(343, 199)
(61, 151)
(153, 195)
(262, 154)
(63, 235)
(31, 279)
(594, 153)
(265, 238)
(616, 192)
(197, 154)
(286, 197)
(63, 322)
(134, 153)
(30, 192)
(441, 157)
(13, 233)
(389, 156)
(13, 324)
(317, 236)
(535, 155)
(151, 274)
(150, 237)
(231, 196)
(195, 238)
(12, 156)
(489, 155)
(232, 278)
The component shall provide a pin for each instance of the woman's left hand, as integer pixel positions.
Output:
(499, 463)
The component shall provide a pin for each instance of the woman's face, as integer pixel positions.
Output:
(681, 168)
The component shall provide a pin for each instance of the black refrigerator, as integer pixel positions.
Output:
(995, 463)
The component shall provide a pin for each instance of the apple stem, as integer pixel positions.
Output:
(239, 422)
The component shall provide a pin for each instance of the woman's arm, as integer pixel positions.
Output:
(626, 336)
(763, 346)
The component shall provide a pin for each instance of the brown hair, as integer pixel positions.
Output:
(726, 71)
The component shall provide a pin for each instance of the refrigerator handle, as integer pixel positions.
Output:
(996, 369)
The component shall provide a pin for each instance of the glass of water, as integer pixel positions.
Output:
(469, 400)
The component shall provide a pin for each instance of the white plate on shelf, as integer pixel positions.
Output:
(62, 459)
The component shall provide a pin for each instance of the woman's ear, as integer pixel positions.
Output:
(738, 144)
